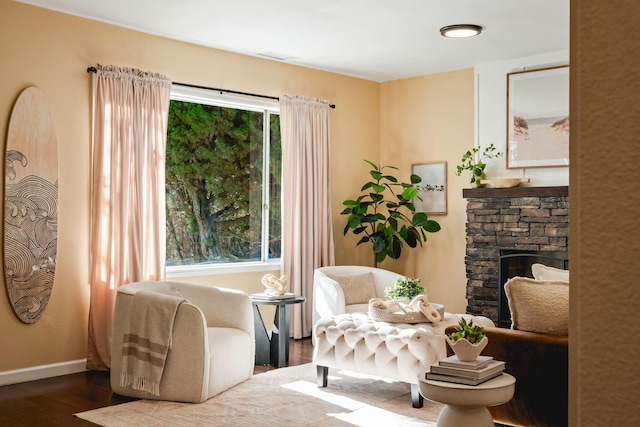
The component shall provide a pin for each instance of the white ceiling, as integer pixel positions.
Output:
(378, 40)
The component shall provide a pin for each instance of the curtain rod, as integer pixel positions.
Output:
(235, 92)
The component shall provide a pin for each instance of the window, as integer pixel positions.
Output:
(223, 181)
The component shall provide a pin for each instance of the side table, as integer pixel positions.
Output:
(274, 350)
(466, 405)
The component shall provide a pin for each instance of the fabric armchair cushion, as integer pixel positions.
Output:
(538, 305)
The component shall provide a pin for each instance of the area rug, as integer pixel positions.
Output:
(284, 397)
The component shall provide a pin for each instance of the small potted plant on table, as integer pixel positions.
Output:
(468, 341)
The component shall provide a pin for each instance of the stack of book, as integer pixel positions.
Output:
(454, 370)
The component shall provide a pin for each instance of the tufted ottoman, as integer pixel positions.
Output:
(396, 351)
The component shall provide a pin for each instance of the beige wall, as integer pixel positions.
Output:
(430, 119)
(604, 210)
(52, 51)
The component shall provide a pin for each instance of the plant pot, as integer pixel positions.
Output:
(466, 351)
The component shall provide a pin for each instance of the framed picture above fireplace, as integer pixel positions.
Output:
(538, 118)
(432, 190)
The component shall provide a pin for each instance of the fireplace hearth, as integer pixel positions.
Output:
(509, 221)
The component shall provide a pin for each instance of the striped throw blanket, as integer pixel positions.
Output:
(147, 340)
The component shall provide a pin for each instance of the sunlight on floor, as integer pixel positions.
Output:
(360, 376)
(360, 414)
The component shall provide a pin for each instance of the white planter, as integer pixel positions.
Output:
(466, 351)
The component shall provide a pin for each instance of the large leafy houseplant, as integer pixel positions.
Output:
(385, 215)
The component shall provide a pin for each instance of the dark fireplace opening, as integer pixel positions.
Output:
(512, 263)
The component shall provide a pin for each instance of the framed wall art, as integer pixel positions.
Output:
(538, 118)
(433, 187)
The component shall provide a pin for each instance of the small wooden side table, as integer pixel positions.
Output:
(466, 405)
(274, 350)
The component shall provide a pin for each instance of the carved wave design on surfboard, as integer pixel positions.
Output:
(31, 233)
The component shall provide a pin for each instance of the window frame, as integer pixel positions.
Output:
(211, 97)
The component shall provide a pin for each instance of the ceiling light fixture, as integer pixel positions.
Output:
(460, 30)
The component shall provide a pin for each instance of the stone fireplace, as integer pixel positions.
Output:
(502, 222)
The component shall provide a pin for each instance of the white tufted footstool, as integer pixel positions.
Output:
(397, 351)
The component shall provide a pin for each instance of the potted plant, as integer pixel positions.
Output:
(477, 167)
(405, 288)
(468, 340)
(385, 215)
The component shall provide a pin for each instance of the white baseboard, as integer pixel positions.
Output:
(42, 372)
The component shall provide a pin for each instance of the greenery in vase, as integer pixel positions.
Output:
(404, 288)
(469, 331)
(385, 215)
(477, 168)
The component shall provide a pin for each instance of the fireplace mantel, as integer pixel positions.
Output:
(490, 193)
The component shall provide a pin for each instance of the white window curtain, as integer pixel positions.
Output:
(130, 113)
(307, 238)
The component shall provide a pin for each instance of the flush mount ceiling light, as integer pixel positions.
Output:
(461, 30)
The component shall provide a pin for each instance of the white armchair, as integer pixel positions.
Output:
(213, 345)
(329, 296)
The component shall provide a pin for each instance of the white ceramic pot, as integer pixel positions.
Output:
(466, 351)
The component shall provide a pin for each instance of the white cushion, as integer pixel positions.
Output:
(544, 272)
(538, 305)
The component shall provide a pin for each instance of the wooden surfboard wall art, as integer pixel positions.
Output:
(30, 205)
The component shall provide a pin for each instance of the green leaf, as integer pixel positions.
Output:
(415, 179)
(378, 188)
(364, 239)
(350, 203)
(380, 245)
(359, 230)
(375, 175)
(376, 197)
(411, 238)
(355, 221)
(367, 186)
(419, 218)
(431, 226)
(409, 193)
(390, 178)
(393, 223)
(396, 247)
(403, 232)
(370, 218)
(373, 165)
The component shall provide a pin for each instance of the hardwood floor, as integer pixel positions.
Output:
(53, 401)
